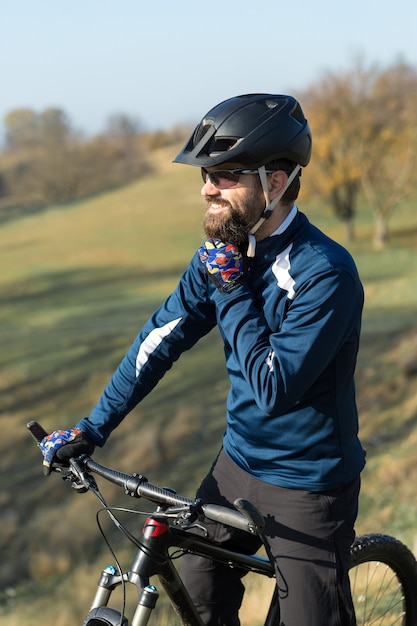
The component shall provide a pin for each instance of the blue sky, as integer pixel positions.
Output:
(169, 61)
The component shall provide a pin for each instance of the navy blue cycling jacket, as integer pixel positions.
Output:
(291, 337)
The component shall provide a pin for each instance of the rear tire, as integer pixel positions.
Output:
(383, 579)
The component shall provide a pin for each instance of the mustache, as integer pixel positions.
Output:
(222, 203)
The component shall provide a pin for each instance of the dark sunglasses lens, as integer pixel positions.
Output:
(221, 178)
(230, 177)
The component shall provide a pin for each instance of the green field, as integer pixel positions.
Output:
(76, 285)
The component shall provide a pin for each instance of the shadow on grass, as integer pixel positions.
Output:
(384, 388)
(405, 236)
(64, 336)
(89, 285)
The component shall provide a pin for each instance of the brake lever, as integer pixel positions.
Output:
(186, 516)
(81, 480)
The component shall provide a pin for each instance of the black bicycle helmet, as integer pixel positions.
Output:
(250, 130)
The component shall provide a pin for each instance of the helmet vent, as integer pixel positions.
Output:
(201, 130)
(298, 114)
(223, 144)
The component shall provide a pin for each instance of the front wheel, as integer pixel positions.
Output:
(104, 616)
(383, 578)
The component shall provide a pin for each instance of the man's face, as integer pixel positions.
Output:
(231, 212)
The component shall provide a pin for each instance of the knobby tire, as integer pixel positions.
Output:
(383, 578)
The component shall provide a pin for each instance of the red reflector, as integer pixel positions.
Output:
(154, 528)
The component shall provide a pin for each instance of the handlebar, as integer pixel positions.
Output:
(246, 517)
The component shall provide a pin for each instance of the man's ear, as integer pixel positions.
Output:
(277, 182)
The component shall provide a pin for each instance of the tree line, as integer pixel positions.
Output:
(45, 161)
(364, 124)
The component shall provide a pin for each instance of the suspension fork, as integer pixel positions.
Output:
(144, 565)
(153, 559)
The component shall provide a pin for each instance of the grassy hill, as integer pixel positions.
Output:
(77, 284)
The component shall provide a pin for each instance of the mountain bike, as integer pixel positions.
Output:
(383, 570)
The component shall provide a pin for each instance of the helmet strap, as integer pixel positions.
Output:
(269, 204)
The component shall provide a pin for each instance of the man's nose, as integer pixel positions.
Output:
(208, 189)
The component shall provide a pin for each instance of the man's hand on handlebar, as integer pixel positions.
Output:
(61, 445)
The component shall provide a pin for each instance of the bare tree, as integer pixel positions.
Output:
(388, 151)
(22, 129)
(333, 106)
(55, 168)
(364, 129)
(123, 133)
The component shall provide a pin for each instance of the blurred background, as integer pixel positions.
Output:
(97, 225)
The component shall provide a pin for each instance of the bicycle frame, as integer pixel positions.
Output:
(394, 599)
(153, 559)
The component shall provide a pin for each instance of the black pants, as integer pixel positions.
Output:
(308, 537)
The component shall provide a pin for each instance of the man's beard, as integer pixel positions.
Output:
(234, 225)
(232, 228)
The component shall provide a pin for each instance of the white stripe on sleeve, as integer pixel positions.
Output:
(151, 342)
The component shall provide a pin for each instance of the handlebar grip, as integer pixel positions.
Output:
(232, 518)
(39, 433)
(36, 430)
(249, 510)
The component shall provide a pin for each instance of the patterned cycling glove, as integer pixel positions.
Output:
(64, 444)
(224, 264)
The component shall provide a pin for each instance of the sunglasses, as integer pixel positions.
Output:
(225, 179)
